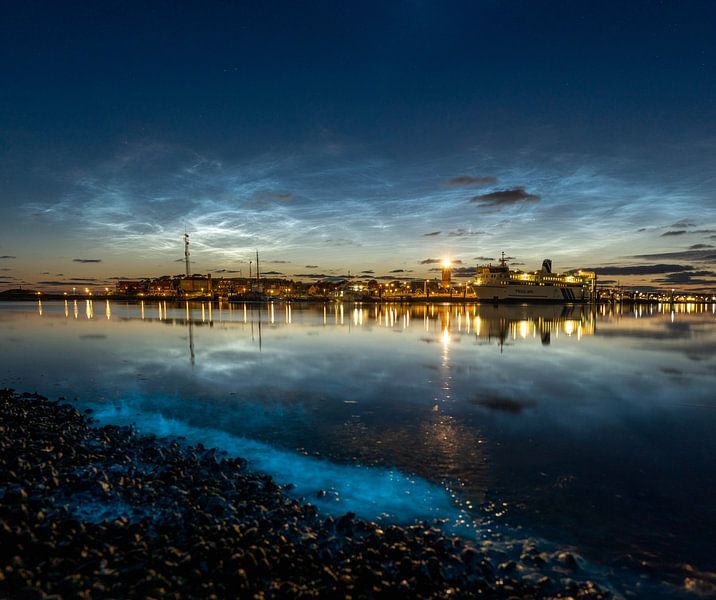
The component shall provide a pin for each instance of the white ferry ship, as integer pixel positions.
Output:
(499, 283)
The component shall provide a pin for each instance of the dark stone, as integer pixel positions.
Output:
(170, 521)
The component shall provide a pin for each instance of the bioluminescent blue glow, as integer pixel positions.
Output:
(369, 492)
(591, 429)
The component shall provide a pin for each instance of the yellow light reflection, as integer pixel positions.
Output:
(569, 327)
(524, 328)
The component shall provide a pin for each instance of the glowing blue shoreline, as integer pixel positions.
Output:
(370, 492)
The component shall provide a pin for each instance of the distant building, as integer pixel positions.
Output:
(228, 286)
(162, 286)
(196, 284)
(132, 287)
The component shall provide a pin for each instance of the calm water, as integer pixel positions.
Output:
(594, 430)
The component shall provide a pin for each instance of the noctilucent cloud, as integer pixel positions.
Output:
(371, 136)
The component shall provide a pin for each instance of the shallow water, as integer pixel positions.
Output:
(593, 429)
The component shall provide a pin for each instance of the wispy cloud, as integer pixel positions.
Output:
(281, 196)
(464, 233)
(690, 278)
(698, 255)
(640, 269)
(434, 261)
(467, 180)
(87, 260)
(463, 271)
(136, 204)
(506, 197)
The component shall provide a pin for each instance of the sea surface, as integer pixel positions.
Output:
(586, 428)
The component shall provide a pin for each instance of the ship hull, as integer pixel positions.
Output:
(529, 293)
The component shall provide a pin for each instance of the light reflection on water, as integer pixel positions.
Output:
(591, 427)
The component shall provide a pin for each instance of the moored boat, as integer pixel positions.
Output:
(499, 283)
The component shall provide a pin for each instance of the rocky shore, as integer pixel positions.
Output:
(103, 512)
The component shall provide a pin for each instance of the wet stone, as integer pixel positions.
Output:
(102, 512)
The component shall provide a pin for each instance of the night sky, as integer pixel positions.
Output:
(357, 136)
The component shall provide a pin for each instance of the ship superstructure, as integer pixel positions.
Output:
(500, 283)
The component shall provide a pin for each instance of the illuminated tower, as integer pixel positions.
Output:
(447, 273)
(186, 253)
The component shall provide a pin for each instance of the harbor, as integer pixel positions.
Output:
(487, 283)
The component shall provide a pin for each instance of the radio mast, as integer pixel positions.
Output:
(186, 252)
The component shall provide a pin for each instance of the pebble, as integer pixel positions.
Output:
(103, 512)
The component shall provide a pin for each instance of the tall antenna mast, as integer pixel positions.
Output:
(258, 279)
(186, 252)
